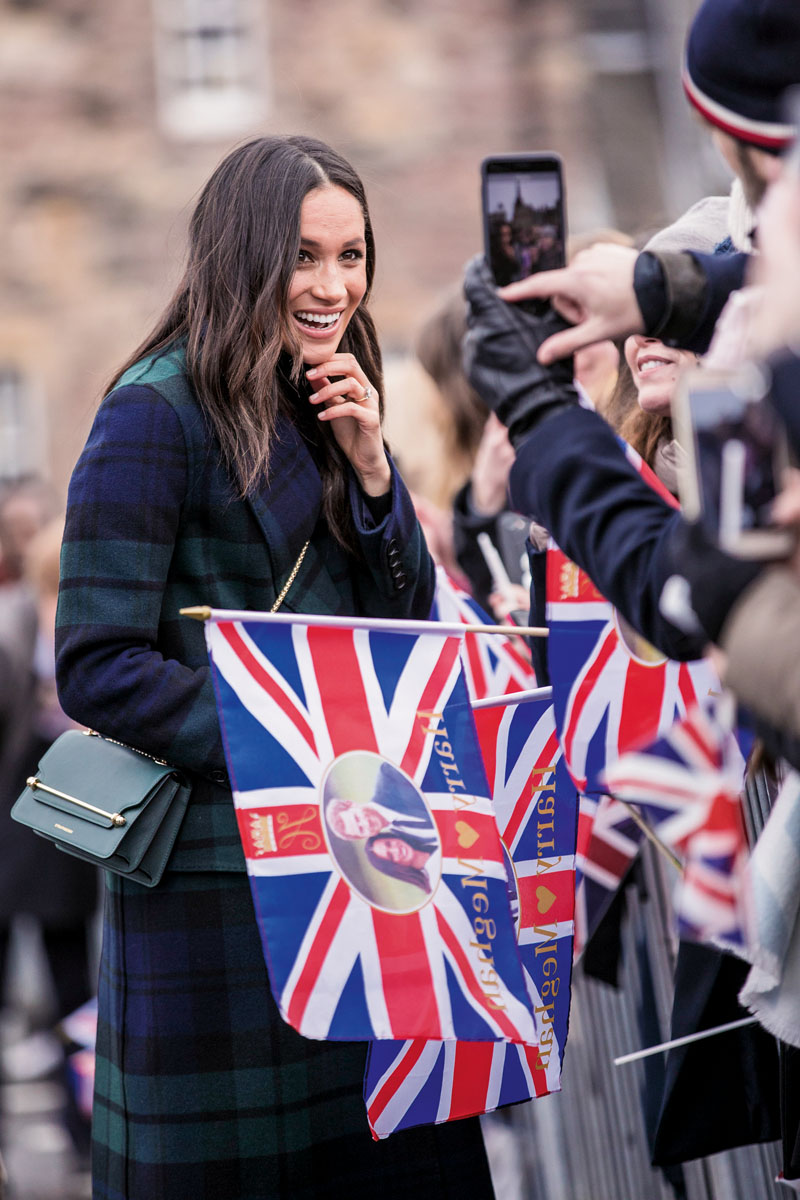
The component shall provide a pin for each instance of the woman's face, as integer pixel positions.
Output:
(397, 850)
(331, 275)
(655, 369)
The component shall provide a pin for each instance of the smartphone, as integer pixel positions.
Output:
(736, 450)
(523, 214)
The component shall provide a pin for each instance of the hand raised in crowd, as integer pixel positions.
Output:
(594, 294)
(353, 406)
(777, 268)
(493, 462)
(500, 355)
(505, 604)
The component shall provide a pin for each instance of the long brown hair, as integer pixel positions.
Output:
(231, 308)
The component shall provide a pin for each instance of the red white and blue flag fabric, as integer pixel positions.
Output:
(608, 842)
(494, 665)
(337, 739)
(428, 1082)
(612, 690)
(687, 786)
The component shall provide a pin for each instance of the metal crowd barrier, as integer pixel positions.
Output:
(589, 1141)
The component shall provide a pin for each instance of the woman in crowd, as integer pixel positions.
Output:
(238, 453)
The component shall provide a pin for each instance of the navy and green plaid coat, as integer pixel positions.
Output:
(201, 1090)
(154, 524)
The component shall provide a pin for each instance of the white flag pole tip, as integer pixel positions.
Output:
(684, 1041)
(519, 630)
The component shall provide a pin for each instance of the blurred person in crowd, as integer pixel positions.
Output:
(480, 505)
(57, 890)
(239, 449)
(25, 506)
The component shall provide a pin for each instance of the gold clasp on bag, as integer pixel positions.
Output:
(34, 783)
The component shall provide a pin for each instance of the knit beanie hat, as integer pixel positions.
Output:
(741, 56)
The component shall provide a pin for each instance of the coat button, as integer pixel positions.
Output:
(219, 776)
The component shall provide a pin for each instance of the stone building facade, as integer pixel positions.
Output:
(113, 113)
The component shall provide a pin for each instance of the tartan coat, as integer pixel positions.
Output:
(154, 523)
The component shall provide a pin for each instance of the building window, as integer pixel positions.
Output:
(212, 67)
(20, 445)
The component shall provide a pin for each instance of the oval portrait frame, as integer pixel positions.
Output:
(348, 857)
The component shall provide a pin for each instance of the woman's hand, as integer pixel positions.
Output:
(352, 405)
(490, 471)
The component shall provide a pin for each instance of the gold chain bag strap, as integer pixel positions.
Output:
(285, 589)
(108, 803)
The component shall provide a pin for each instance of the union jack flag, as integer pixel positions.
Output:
(608, 842)
(428, 1082)
(612, 690)
(688, 787)
(337, 737)
(494, 665)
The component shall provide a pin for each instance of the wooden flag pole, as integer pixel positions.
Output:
(684, 1041)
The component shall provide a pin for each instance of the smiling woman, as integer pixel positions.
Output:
(655, 369)
(238, 449)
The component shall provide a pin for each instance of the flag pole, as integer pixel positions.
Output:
(542, 693)
(202, 612)
(684, 1041)
(639, 820)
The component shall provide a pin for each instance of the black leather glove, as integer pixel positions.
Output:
(715, 579)
(500, 355)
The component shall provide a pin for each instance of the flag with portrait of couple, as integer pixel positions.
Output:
(494, 664)
(535, 802)
(364, 813)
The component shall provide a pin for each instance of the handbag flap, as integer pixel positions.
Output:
(108, 776)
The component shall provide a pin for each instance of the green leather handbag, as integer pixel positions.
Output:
(106, 802)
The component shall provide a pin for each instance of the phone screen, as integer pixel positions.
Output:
(523, 210)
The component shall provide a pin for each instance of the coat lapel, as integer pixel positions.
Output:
(287, 507)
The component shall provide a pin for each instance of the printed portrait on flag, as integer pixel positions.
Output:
(535, 802)
(380, 832)
(367, 829)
